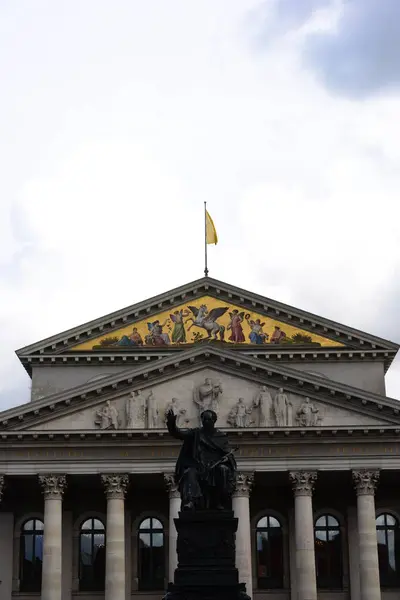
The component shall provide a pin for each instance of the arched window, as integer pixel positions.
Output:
(328, 553)
(388, 534)
(92, 556)
(31, 556)
(269, 551)
(151, 554)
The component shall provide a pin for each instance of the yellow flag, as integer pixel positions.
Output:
(211, 232)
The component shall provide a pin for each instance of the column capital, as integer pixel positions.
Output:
(172, 488)
(53, 485)
(115, 484)
(365, 481)
(2, 486)
(303, 482)
(244, 483)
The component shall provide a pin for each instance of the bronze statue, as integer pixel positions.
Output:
(205, 471)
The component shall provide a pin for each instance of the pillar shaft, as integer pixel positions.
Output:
(365, 482)
(303, 485)
(174, 506)
(53, 489)
(115, 488)
(241, 507)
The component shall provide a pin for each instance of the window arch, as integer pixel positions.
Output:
(151, 554)
(92, 555)
(388, 534)
(328, 552)
(269, 552)
(31, 555)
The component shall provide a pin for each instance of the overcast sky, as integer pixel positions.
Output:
(118, 119)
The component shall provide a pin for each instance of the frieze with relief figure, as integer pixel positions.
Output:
(203, 319)
(239, 403)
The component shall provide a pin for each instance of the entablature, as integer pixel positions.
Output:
(280, 354)
(85, 452)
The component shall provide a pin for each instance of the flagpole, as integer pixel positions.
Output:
(205, 240)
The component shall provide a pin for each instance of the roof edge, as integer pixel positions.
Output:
(206, 283)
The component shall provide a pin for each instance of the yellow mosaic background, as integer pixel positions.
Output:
(196, 333)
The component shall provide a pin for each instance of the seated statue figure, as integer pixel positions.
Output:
(205, 471)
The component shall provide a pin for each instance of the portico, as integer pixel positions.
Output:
(87, 494)
(122, 501)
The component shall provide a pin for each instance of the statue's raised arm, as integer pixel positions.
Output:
(173, 429)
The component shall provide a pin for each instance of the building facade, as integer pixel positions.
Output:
(87, 494)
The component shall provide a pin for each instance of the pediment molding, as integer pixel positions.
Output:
(304, 320)
(279, 354)
(257, 370)
(161, 438)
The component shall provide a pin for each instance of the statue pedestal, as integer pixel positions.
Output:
(206, 557)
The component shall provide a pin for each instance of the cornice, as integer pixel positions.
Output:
(152, 437)
(280, 354)
(223, 291)
(257, 370)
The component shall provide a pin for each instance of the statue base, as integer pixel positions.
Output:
(206, 558)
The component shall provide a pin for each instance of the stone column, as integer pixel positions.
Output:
(115, 488)
(2, 484)
(365, 483)
(303, 485)
(174, 506)
(53, 489)
(354, 560)
(241, 508)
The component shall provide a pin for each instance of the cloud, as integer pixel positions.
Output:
(360, 56)
(111, 144)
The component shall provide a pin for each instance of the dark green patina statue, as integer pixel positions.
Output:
(206, 468)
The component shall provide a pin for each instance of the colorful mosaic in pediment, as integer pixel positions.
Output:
(201, 319)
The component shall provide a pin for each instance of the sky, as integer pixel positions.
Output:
(119, 119)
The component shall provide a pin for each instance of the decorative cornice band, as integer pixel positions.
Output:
(365, 481)
(115, 484)
(172, 488)
(303, 482)
(53, 486)
(244, 483)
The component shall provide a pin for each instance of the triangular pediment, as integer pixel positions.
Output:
(261, 321)
(309, 400)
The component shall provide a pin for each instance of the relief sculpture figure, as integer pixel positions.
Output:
(282, 409)
(107, 417)
(152, 412)
(263, 401)
(240, 415)
(205, 471)
(176, 409)
(308, 414)
(206, 396)
(135, 410)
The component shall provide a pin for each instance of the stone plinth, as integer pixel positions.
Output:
(206, 557)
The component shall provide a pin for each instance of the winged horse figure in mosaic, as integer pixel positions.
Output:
(208, 320)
